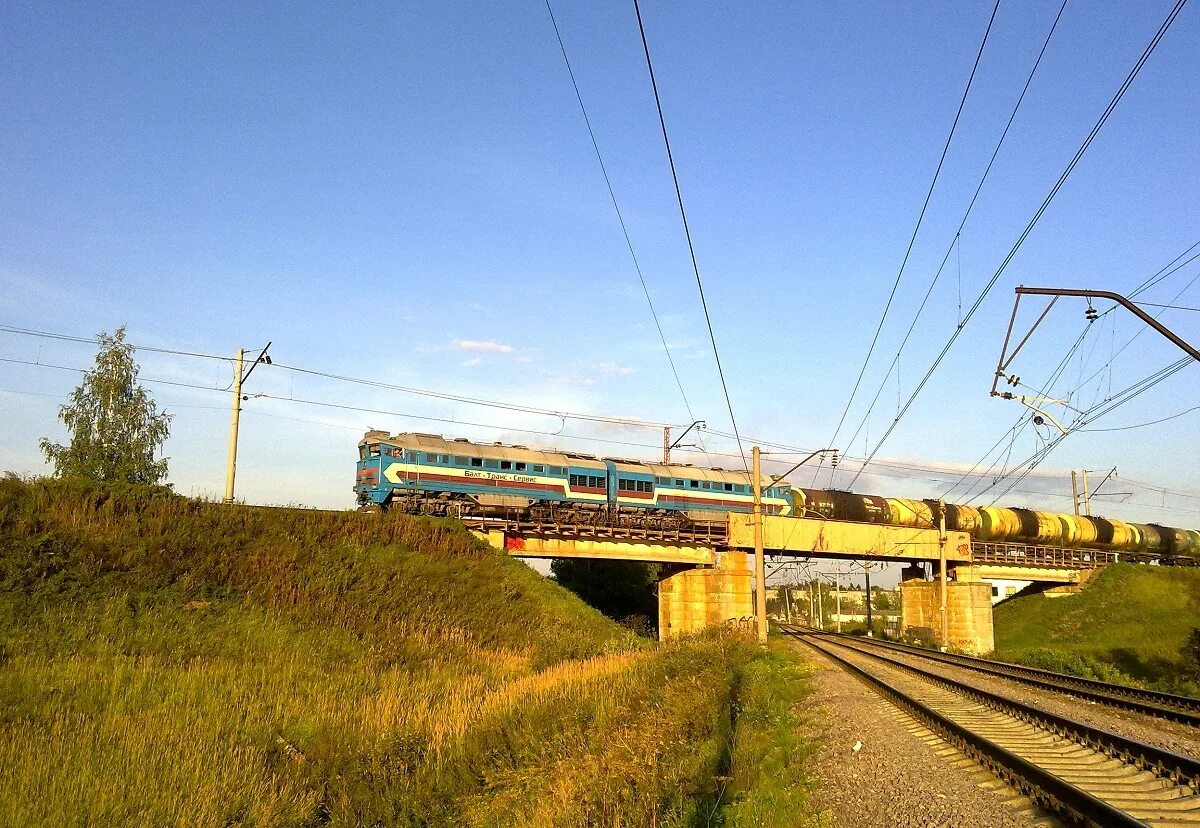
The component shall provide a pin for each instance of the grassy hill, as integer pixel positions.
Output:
(1130, 617)
(165, 661)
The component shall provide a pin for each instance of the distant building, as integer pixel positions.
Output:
(1002, 588)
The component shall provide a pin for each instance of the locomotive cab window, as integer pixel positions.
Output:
(373, 451)
(362, 452)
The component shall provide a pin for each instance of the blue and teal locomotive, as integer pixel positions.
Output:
(428, 474)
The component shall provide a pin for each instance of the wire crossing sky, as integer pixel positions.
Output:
(405, 200)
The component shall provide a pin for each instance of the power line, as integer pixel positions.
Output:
(94, 341)
(955, 243)
(1143, 425)
(920, 218)
(86, 370)
(1167, 270)
(1062, 179)
(1170, 307)
(360, 381)
(439, 395)
(687, 232)
(616, 208)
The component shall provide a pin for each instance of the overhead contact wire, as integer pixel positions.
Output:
(1062, 179)
(617, 209)
(688, 233)
(955, 243)
(920, 219)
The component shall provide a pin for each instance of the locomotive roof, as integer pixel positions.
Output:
(437, 444)
(686, 472)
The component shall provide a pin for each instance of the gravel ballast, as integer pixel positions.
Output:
(900, 775)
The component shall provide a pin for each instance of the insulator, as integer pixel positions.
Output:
(1091, 314)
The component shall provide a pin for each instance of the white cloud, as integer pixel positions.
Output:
(613, 369)
(471, 363)
(476, 345)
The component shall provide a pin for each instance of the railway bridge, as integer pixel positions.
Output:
(708, 579)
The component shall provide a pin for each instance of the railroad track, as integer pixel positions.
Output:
(1082, 773)
(1183, 709)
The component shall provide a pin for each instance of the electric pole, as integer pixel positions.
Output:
(760, 579)
(238, 380)
(942, 565)
(231, 465)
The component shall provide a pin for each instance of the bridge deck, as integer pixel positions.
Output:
(844, 539)
(782, 536)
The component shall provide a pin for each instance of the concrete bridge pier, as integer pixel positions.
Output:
(692, 599)
(968, 611)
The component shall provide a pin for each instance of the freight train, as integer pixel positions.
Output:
(428, 474)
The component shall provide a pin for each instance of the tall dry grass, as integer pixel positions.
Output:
(170, 662)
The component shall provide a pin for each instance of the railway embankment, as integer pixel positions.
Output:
(1131, 623)
(173, 662)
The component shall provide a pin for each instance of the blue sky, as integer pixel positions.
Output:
(407, 192)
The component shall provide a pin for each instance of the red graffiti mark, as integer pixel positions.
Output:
(513, 543)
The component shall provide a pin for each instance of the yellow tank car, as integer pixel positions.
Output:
(997, 523)
(914, 513)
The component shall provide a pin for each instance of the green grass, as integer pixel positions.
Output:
(766, 782)
(1129, 623)
(165, 661)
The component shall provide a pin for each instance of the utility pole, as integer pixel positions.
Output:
(942, 565)
(1087, 500)
(867, 575)
(1074, 492)
(812, 605)
(787, 602)
(760, 579)
(820, 608)
(839, 599)
(231, 465)
(238, 380)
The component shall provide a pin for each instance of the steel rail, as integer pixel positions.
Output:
(1177, 708)
(1182, 770)
(1039, 784)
